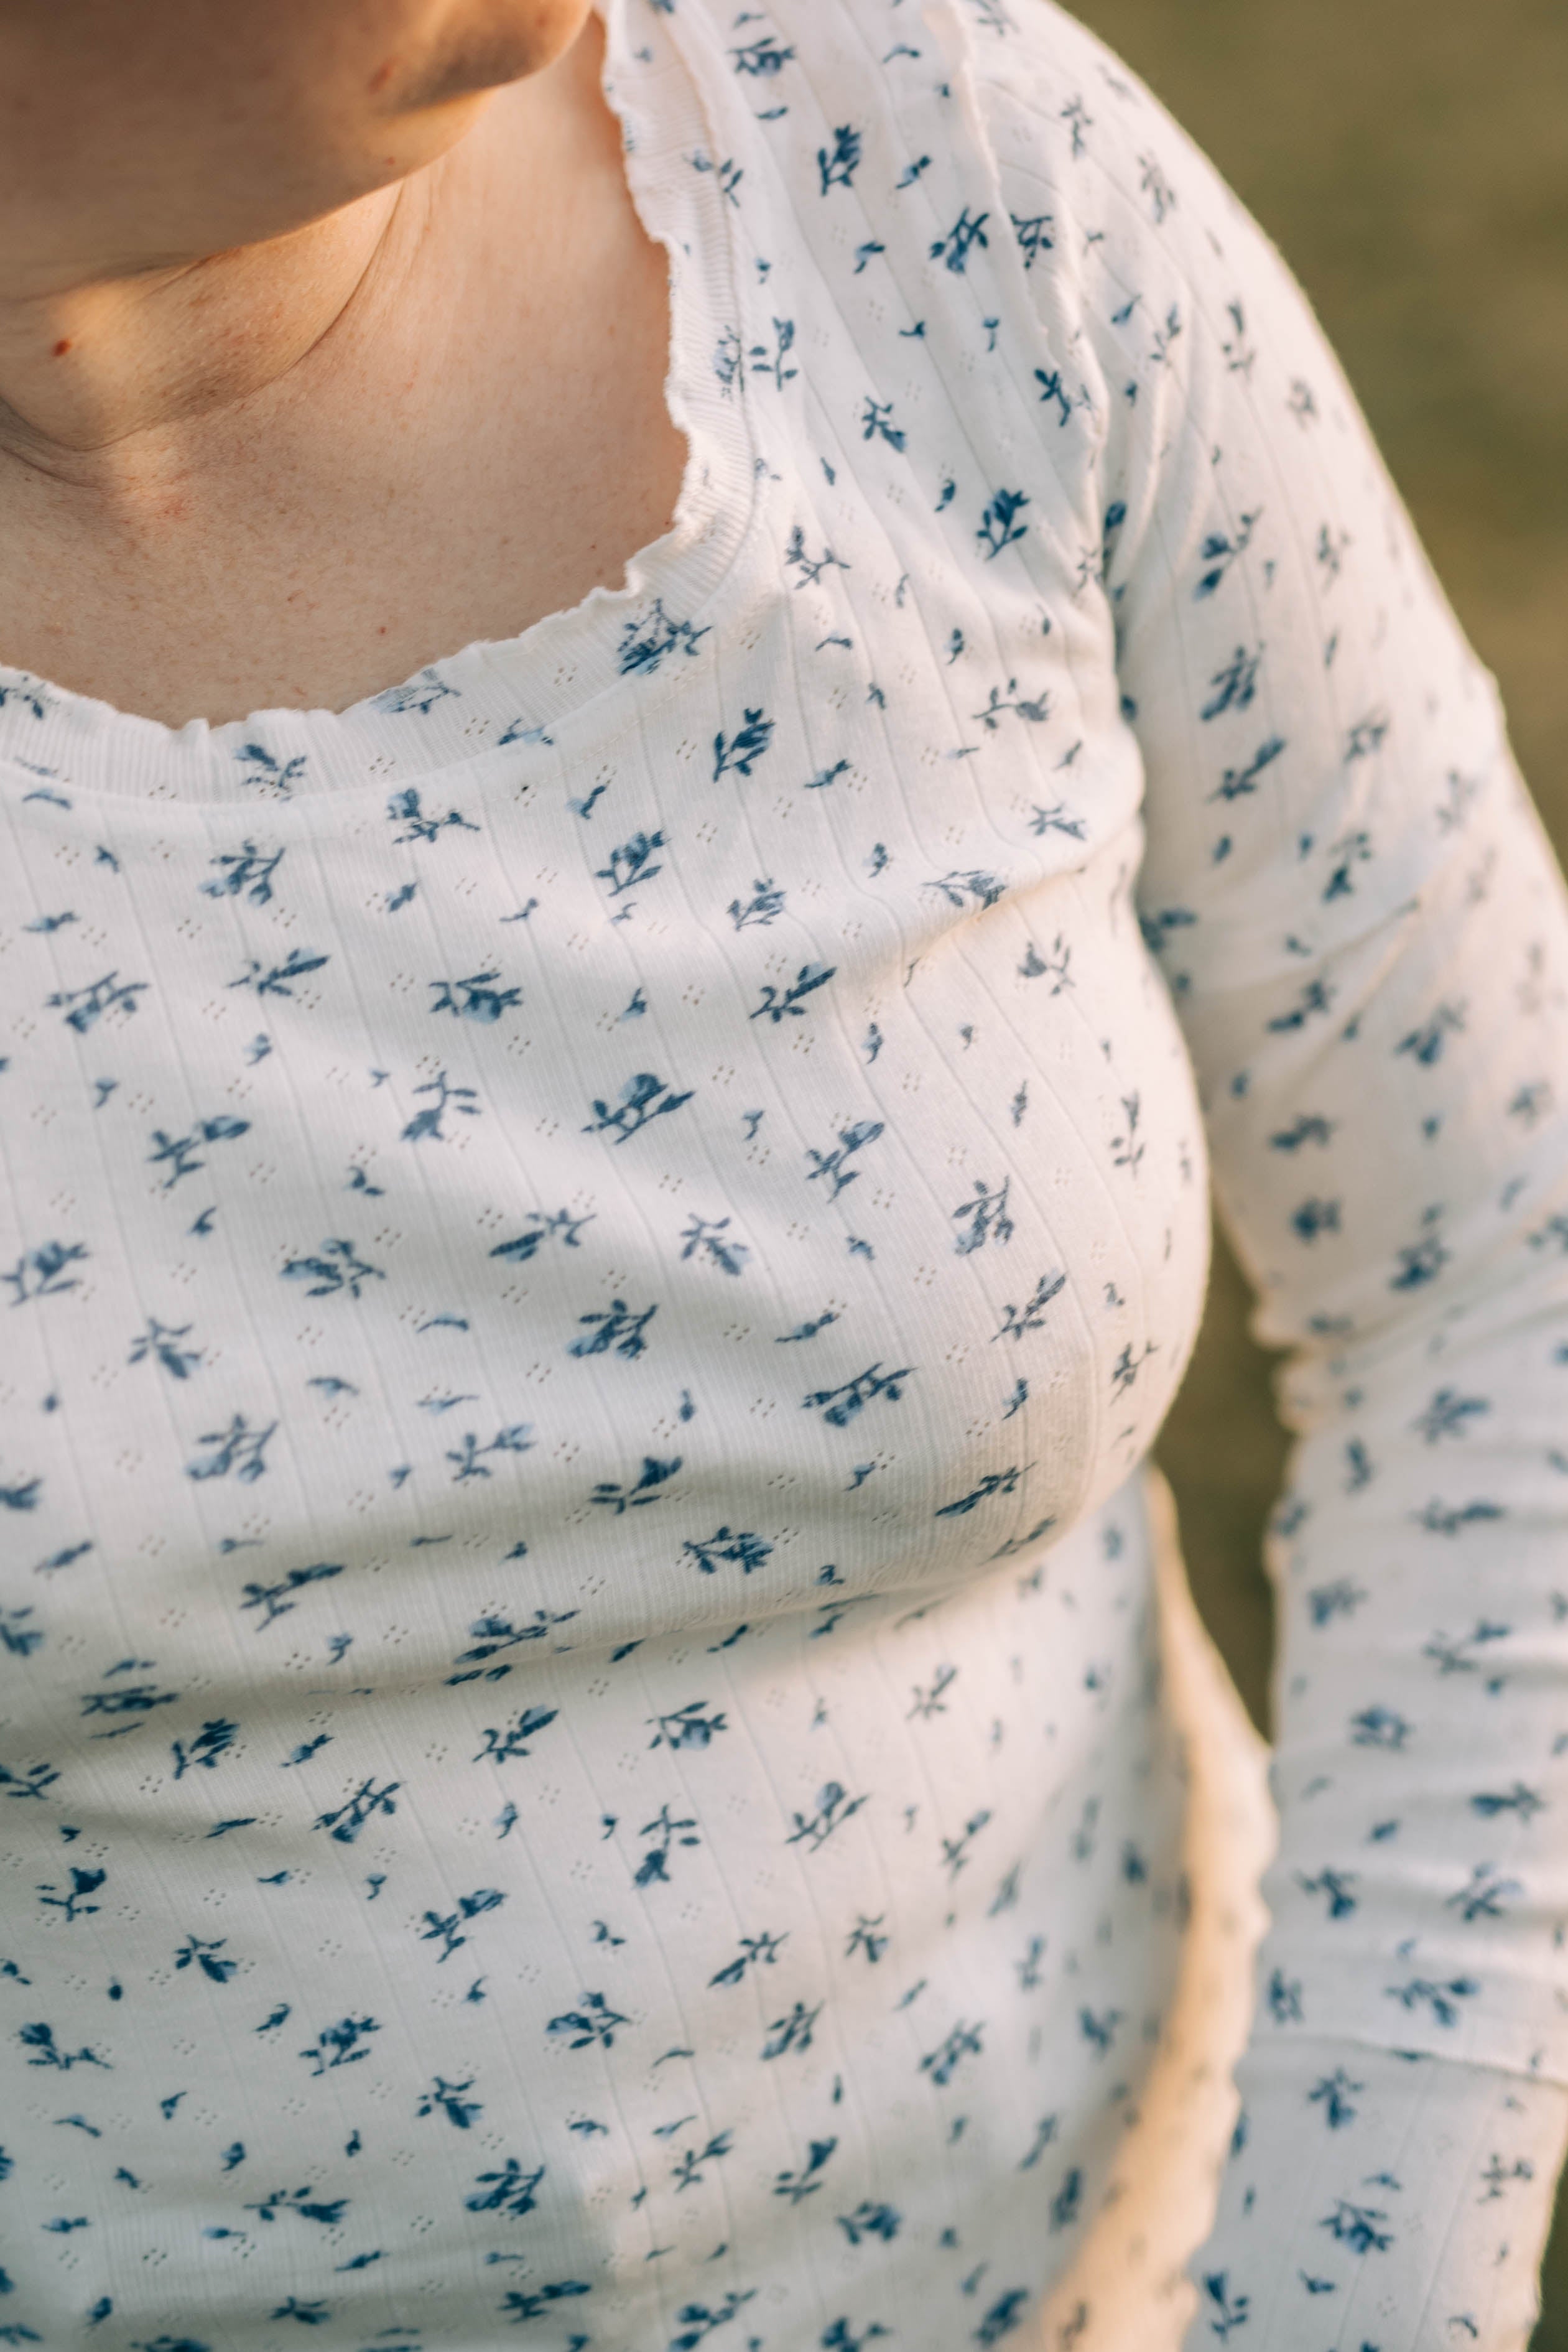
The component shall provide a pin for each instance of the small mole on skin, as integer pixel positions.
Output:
(61, 348)
(382, 76)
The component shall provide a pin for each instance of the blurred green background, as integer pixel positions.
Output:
(1410, 160)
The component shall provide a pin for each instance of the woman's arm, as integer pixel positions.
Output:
(1367, 937)
(1374, 2200)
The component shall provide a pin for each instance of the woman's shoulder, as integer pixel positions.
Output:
(1054, 106)
(1058, 100)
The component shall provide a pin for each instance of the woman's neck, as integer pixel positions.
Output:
(302, 473)
(95, 378)
(108, 378)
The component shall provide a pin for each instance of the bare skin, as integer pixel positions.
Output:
(328, 358)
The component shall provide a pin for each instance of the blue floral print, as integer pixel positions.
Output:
(585, 1746)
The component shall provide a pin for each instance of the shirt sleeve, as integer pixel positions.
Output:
(1365, 938)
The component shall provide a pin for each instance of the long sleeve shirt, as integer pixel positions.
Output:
(595, 1246)
(1361, 926)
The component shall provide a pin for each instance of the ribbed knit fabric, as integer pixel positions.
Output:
(593, 1248)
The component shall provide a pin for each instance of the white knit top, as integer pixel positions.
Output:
(590, 1251)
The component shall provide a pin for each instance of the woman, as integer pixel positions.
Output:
(604, 1203)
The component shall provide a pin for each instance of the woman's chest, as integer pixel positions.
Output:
(708, 1172)
(498, 447)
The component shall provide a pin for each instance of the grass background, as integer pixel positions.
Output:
(1410, 160)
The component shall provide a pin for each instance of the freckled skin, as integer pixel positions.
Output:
(164, 150)
(253, 255)
(136, 137)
